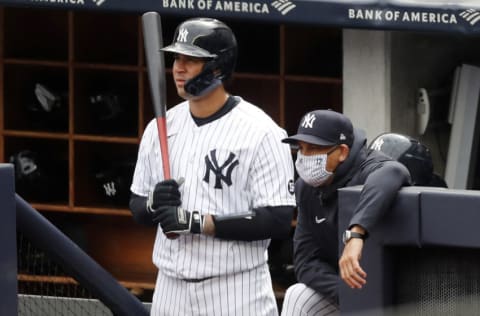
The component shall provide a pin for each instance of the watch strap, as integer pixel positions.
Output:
(348, 234)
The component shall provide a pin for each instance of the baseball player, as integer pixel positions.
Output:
(231, 188)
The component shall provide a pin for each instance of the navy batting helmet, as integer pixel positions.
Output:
(113, 182)
(112, 112)
(410, 152)
(39, 178)
(210, 39)
(48, 108)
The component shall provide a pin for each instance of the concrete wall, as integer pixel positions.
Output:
(366, 80)
(383, 71)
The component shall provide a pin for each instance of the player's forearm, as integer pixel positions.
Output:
(208, 225)
(138, 207)
(263, 223)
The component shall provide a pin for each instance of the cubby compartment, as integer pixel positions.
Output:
(302, 97)
(106, 102)
(41, 168)
(36, 34)
(36, 98)
(103, 173)
(264, 92)
(106, 38)
(258, 47)
(313, 51)
(127, 252)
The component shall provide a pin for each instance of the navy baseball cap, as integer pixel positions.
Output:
(324, 128)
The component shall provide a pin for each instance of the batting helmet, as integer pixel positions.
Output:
(210, 39)
(113, 182)
(38, 178)
(410, 152)
(48, 108)
(111, 112)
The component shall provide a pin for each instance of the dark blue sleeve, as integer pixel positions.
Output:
(379, 191)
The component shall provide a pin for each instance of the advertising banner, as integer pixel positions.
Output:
(460, 16)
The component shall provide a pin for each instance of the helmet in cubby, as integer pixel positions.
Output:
(48, 108)
(113, 181)
(211, 40)
(38, 177)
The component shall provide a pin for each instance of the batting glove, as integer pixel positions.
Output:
(164, 204)
(176, 220)
(165, 193)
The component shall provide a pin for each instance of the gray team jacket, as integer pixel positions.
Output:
(316, 234)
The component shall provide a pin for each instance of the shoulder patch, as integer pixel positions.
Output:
(291, 186)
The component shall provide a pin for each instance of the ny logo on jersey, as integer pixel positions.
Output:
(109, 188)
(308, 120)
(182, 35)
(212, 165)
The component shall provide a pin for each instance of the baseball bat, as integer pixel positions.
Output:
(153, 41)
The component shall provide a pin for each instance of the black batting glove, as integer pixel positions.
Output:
(176, 220)
(165, 194)
(164, 205)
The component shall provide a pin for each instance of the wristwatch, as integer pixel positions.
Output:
(348, 234)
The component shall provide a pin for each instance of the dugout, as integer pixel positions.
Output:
(368, 59)
(423, 257)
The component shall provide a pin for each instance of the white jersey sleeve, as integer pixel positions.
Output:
(271, 174)
(142, 179)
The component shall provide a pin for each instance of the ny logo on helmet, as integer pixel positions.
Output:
(377, 145)
(109, 188)
(182, 35)
(308, 120)
(212, 165)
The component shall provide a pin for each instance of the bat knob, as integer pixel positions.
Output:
(172, 235)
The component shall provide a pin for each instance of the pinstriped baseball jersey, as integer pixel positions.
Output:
(230, 165)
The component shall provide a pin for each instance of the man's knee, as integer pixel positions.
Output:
(300, 300)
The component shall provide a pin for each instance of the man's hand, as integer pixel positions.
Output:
(176, 220)
(165, 194)
(349, 264)
(164, 204)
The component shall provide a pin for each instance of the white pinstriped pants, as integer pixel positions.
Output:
(246, 293)
(300, 300)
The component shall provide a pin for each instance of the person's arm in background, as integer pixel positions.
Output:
(378, 193)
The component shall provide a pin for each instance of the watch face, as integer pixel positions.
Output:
(346, 236)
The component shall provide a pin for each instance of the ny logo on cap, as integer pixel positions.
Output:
(308, 120)
(342, 136)
(182, 35)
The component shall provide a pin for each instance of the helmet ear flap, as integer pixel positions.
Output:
(204, 82)
(225, 62)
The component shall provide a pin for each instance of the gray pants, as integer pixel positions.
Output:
(300, 300)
